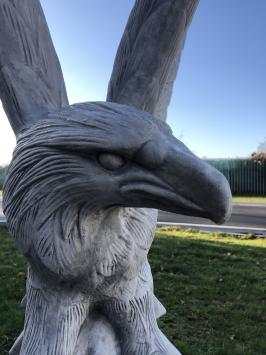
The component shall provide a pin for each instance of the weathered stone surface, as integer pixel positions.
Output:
(85, 180)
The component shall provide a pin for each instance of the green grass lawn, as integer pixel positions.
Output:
(213, 286)
(249, 199)
(12, 289)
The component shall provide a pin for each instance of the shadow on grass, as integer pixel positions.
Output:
(214, 293)
(12, 289)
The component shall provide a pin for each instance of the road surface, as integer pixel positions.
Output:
(246, 218)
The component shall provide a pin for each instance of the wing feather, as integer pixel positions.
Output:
(148, 55)
(31, 80)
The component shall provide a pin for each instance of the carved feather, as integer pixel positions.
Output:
(31, 80)
(148, 55)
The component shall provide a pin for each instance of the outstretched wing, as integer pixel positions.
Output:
(31, 80)
(148, 55)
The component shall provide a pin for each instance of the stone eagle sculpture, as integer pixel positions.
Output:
(85, 180)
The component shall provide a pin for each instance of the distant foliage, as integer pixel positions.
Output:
(3, 170)
(261, 156)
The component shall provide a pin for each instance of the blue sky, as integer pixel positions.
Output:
(218, 106)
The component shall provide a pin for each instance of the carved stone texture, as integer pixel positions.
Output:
(85, 180)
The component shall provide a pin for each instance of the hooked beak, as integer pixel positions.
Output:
(182, 184)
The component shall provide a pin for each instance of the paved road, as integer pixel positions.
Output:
(246, 218)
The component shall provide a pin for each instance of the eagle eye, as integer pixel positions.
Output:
(111, 161)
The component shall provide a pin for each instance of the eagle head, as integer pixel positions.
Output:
(105, 154)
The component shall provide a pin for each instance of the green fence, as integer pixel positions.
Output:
(2, 176)
(245, 176)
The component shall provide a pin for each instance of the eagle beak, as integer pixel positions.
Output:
(201, 190)
(182, 183)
